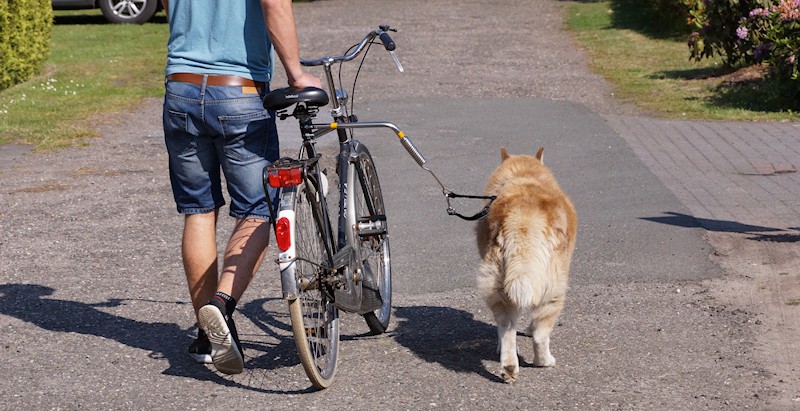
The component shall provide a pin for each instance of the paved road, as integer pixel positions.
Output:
(93, 307)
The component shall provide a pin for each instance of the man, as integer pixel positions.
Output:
(219, 64)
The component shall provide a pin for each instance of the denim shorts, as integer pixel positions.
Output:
(216, 132)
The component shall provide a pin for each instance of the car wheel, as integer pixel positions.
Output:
(128, 11)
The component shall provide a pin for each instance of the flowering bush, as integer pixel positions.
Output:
(774, 34)
(715, 25)
(750, 31)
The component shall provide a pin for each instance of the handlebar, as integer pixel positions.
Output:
(382, 32)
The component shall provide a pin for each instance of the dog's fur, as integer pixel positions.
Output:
(526, 243)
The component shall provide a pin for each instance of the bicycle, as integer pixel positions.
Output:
(323, 271)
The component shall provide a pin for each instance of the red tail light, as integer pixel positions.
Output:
(283, 234)
(285, 177)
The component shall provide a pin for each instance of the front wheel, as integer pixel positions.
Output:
(373, 236)
(315, 321)
(128, 11)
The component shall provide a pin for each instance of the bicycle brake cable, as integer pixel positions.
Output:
(417, 156)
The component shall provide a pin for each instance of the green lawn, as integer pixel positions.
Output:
(94, 67)
(651, 68)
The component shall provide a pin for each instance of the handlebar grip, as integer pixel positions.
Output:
(387, 41)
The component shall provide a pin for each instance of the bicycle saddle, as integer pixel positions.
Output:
(285, 97)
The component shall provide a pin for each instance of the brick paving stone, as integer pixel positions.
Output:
(725, 171)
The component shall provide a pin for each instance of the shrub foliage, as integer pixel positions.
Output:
(24, 39)
(748, 32)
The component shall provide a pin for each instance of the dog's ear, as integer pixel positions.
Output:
(540, 155)
(503, 153)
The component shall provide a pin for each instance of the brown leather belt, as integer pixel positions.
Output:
(214, 80)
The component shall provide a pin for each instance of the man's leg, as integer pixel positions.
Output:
(199, 253)
(246, 248)
(243, 255)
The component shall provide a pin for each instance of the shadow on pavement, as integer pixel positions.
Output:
(29, 302)
(449, 337)
(760, 233)
(265, 353)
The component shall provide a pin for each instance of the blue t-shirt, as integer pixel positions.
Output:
(206, 37)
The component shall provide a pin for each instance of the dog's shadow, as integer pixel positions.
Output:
(451, 338)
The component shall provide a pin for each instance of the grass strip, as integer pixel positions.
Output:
(651, 69)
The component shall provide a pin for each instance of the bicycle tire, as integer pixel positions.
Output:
(315, 321)
(375, 252)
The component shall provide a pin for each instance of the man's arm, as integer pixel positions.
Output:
(166, 7)
(279, 17)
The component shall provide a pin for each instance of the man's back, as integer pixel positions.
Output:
(206, 38)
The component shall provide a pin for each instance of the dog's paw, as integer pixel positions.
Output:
(510, 373)
(544, 361)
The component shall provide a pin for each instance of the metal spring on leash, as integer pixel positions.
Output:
(417, 156)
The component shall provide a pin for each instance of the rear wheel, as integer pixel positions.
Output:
(315, 321)
(128, 11)
(373, 238)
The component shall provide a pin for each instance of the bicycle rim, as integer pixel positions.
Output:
(315, 321)
(368, 202)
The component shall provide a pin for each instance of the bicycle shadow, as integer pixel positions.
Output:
(167, 341)
(449, 337)
(275, 347)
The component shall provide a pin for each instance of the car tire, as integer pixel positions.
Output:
(128, 11)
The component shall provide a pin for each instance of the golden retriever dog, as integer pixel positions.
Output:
(526, 244)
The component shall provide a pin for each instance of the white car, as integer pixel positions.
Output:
(115, 11)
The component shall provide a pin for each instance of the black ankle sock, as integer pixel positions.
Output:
(224, 302)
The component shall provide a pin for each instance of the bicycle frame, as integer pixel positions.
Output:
(343, 258)
(316, 284)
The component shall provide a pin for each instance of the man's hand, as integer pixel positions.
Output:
(305, 80)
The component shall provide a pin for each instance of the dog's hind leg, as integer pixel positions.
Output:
(506, 316)
(543, 320)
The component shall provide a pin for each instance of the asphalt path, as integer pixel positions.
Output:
(94, 312)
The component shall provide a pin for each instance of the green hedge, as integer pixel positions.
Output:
(24, 39)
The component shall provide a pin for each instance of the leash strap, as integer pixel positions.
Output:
(476, 216)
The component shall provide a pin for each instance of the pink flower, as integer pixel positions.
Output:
(741, 32)
(789, 10)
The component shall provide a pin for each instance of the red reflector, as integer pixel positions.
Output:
(285, 177)
(283, 234)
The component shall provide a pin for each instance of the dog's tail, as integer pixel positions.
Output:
(532, 275)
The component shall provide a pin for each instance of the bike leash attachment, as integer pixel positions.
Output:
(417, 156)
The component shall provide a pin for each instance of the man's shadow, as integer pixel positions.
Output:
(449, 337)
(758, 233)
(29, 302)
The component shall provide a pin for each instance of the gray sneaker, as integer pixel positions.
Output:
(226, 352)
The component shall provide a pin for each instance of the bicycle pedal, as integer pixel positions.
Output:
(371, 226)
